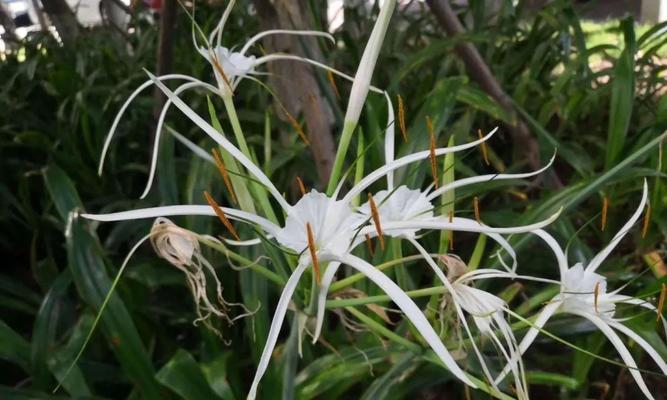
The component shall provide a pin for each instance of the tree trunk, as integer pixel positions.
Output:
(524, 143)
(63, 18)
(295, 82)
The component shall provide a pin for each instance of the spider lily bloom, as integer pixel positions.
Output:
(230, 68)
(411, 206)
(584, 293)
(322, 244)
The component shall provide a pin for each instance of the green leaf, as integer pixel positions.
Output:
(622, 95)
(13, 347)
(183, 375)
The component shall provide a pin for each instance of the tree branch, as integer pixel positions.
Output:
(480, 72)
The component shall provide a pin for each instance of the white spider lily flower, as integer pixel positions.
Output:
(584, 293)
(230, 68)
(333, 224)
(329, 247)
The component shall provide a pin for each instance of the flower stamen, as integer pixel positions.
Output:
(313, 253)
(485, 151)
(401, 118)
(605, 208)
(475, 204)
(661, 301)
(369, 244)
(297, 127)
(221, 215)
(434, 165)
(302, 187)
(332, 82)
(376, 220)
(225, 175)
(647, 219)
(596, 295)
(218, 67)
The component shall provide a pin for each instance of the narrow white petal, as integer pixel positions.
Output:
(389, 138)
(638, 302)
(463, 224)
(166, 211)
(198, 151)
(561, 258)
(222, 141)
(158, 130)
(134, 94)
(242, 243)
(260, 35)
(276, 324)
(660, 362)
(283, 56)
(409, 159)
(456, 300)
(486, 178)
(410, 310)
(600, 257)
(623, 351)
(221, 24)
(327, 280)
(547, 312)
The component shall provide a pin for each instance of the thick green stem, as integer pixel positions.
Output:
(345, 138)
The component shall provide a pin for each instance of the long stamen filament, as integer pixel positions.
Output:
(476, 208)
(369, 243)
(401, 118)
(485, 151)
(661, 301)
(225, 174)
(332, 81)
(297, 127)
(605, 209)
(313, 253)
(221, 215)
(647, 220)
(302, 187)
(376, 220)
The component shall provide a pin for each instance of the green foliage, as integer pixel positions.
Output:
(599, 103)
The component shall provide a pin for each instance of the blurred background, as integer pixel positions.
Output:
(585, 77)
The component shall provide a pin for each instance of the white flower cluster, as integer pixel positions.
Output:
(324, 230)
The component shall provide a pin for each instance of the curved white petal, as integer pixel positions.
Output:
(242, 243)
(158, 130)
(276, 324)
(660, 362)
(618, 298)
(166, 211)
(198, 151)
(410, 310)
(282, 56)
(389, 138)
(260, 35)
(116, 121)
(406, 160)
(221, 24)
(226, 144)
(462, 224)
(561, 258)
(327, 280)
(547, 312)
(486, 178)
(486, 273)
(623, 351)
(600, 257)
